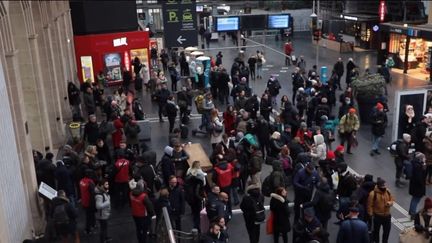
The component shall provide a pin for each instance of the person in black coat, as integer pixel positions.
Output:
(143, 169)
(103, 152)
(167, 163)
(162, 99)
(339, 70)
(184, 101)
(91, 130)
(379, 123)
(171, 111)
(177, 201)
(419, 133)
(222, 85)
(74, 101)
(64, 180)
(349, 67)
(69, 228)
(252, 106)
(417, 182)
(263, 134)
(279, 206)
(265, 107)
(45, 170)
(248, 207)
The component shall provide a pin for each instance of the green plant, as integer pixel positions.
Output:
(368, 86)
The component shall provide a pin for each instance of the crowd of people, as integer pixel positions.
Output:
(294, 135)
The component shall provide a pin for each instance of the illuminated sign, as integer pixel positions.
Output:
(120, 42)
(126, 60)
(375, 28)
(350, 18)
(381, 11)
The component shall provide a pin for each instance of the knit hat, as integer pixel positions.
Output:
(303, 124)
(340, 148)
(324, 100)
(309, 212)
(330, 155)
(379, 106)
(380, 182)
(428, 203)
(352, 110)
(168, 150)
(354, 209)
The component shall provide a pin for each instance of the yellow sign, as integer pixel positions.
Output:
(172, 16)
(87, 68)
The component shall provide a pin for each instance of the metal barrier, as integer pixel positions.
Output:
(166, 234)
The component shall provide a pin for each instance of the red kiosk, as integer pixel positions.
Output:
(109, 53)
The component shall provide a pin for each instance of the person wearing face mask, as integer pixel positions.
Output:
(422, 220)
(380, 201)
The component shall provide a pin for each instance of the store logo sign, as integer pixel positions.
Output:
(381, 11)
(120, 42)
(396, 30)
(350, 18)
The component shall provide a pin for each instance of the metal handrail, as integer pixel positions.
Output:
(168, 225)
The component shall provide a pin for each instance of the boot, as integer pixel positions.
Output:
(399, 183)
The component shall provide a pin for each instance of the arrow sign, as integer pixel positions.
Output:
(180, 40)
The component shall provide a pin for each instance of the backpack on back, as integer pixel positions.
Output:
(259, 211)
(60, 215)
(393, 147)
(266, 187)
(199, 102)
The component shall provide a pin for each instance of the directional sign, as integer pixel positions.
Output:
(179, 18)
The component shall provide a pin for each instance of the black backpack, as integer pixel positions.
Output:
(327, 201)
(266, 187)
(393, 147)
(60, 215)
(259, 211)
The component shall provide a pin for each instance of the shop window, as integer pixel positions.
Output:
(394, 44)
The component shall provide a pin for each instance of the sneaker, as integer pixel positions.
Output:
(376, 152)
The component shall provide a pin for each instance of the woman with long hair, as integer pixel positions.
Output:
(217, 128)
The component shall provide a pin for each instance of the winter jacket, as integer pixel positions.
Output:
(223, 174)
(402, 150)
(278, 177)
(379, 123)
(122, 167)
(323, 198)
(418, 134)
(73, 94)
(69, 208)
(91, 132)
(103, 203)
(279, 208)
(417, 182)
(265, 106)
(304, 182)
(171, 109)
(353, 231)
(162, 96)
(255, 163)
(349, 123)
(228, 121)
(216, 137)
(380, 202)
(240, 103)
(177, 200)
(89, 102)
(131, 133)
(273, 87)
(347, 184)
(320, 152)
(248, 202)
(427, 141)
(64, 179)
(275, 147)
(339, 68)
(141, 206)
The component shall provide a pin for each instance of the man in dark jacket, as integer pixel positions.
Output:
(349, 67)
(419, 133)
(177, 201)
(143, 168)
(162, 98)
(167, 164)
(171, 111)
(417, 183)
(212, 236)
(89, 101)
(379, 123)
(249, 207)
(304, 181)
(402, 157)
(64, 180)
(353, 230)
(74, 101)
(45, 170)
(339, 70)
(273, 87)
(184, 101)
(346, 186)
(91, 130)
(64, 215)
(252, 106)
(265, 106)
(222, 86)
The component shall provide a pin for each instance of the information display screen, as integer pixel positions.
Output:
(227, 23)
(278, 21)
(253, 22)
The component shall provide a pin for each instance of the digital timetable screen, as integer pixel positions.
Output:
(278, 21)
(227, 23)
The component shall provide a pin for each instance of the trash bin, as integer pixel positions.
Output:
(75, 130)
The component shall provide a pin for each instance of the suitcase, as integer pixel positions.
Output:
(184, 131)
(204, 221)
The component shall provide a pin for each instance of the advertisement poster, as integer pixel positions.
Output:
(142, 54)
(87, 68)
(112, 63)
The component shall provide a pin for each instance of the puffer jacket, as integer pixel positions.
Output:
(320, 152)
(103, 203)
(278, 175)
(379, 202)
(349, 123)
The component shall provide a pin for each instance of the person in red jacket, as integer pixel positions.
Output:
(87, 187)
(229, 117)
(223, 175)
(288, 48)
(121, 179)
(142, 211)
(118, 133)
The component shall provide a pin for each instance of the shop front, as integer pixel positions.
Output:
(109, 54)
(409, 46)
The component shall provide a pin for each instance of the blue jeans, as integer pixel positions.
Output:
(413, 205)
(205, 120)
(375, 142)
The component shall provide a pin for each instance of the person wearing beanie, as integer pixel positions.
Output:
(417, 182)
(380, 201)
(339, 154)
(379, 124)
(348, 127)
(422, 226)
(402, 158)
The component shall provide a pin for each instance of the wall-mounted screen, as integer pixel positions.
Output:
(227, 23)
(280, 21)
(253, 22)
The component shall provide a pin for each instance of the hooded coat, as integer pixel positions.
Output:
(279, 208)
(320, 152)
(103, 203)
(248, 203)
(417, 182)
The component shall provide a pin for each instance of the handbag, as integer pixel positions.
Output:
(269, 224)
